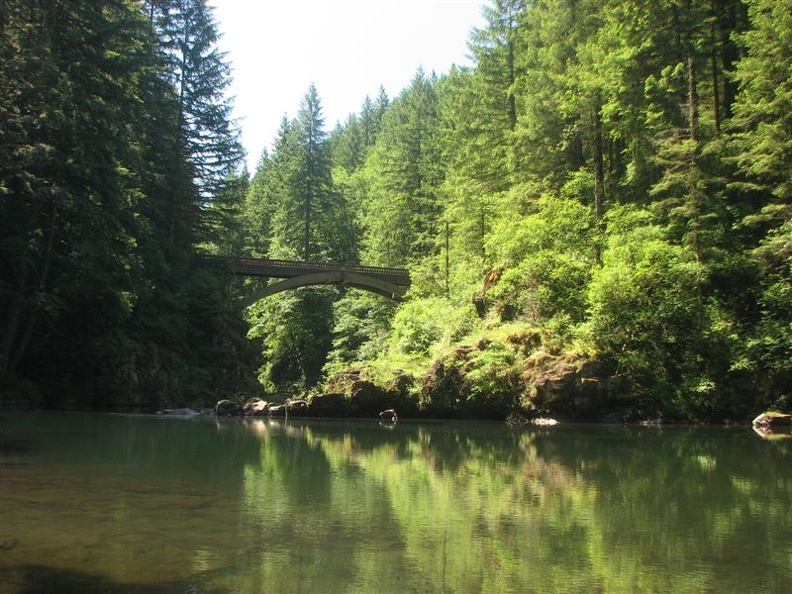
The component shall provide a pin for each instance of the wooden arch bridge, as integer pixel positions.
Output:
(388, 282)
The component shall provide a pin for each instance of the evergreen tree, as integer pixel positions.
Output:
(762, 117)
(198, 71)
(309, 220)
(406, 169)
(347, 144)
(760, 144)
(71, 79)
(313, 187)
(489, 99)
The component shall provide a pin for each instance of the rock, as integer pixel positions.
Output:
(7, 543)
(389, 415)
(772, 420)
(366, 398)
(297, 407)
(228, 408)
(329, 405)
(401, 384)
(440, 388)
(277, 410)
(542, 422)
(179, 412)
(770, 435)
(255, 407)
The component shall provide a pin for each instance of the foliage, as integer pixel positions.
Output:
(296, 326)
(102, 201)
(423, 324)
(612, 175)
(649, 312)
(362, 324)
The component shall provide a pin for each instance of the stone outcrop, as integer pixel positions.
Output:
(574, 387)
(365, 398)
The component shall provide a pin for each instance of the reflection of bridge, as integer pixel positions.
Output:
(388, 282)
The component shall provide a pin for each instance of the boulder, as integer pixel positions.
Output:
(329, 405)
(228, 408)
(772, 420)
(389, 415)
(255, 407)
(297, 407)
(367, 399)
(277, 410)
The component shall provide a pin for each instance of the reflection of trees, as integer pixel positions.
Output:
(263, 505)
(434, 508)
(110, 499)
(670, 501)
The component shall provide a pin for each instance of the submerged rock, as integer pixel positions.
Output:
(543, 422)
(179, 412)
(7, 543)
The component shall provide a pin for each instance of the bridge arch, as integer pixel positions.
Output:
(387, 282)
(336, 277)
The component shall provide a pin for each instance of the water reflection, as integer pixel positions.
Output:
(152, 505)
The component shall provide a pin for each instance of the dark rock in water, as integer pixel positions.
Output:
(773, 426)
(297, 407)
(329, 405)
(772, 420)
(256, 407)
(389, 415)
(228, 408)
(7, 543)
(179, 412)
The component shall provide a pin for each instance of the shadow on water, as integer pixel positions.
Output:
(16, 447)
(38, 579)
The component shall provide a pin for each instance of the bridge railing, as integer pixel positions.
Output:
(290, 268)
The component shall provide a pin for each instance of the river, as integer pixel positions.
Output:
(135, 504)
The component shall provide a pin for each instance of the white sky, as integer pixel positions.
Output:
(346, 48)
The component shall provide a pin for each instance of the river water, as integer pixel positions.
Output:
(111, 503)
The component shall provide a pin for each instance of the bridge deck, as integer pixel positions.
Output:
(291, 268)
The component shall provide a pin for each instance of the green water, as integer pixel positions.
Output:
(93, 503)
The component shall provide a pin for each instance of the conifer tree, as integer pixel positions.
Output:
(402, 212)
(200, 75)
(490, 96)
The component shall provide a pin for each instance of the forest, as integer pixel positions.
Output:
(596, 217)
